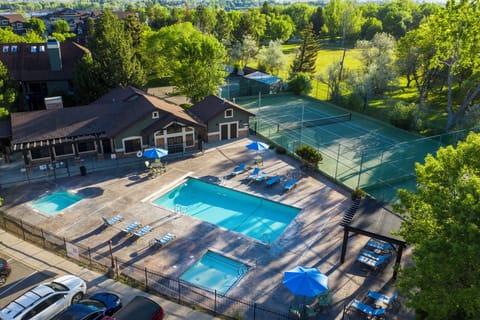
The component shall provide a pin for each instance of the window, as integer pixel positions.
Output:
(14, 48)
(33, 49)
(85, 146)
(63, 149)
(39, 153)
(42, 48)
(5, 49)
(4, 22)
(174, 128)
(19, 25)
(189, 140)
(132, 145)
(229, 113)
(155, 115)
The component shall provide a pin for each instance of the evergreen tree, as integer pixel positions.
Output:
(306, 56)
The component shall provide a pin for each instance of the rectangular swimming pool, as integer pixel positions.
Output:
(215, 272)
(54, 203)
(253, 216)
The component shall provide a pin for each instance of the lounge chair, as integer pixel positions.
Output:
(375, 264)
(290, 184)
(112, 221)
(369, 311)
(379, 245)
(143, 231)
(270, 182)
(163, 241)
(379, 298)
(238, 169)
(254, 173)
(131, 227)
(261, 177)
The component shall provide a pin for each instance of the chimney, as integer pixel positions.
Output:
(54, 55)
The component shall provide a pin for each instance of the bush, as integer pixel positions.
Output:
(309, 154)
(358, 193)
(300, 84)
(404, 115)
(281, 150)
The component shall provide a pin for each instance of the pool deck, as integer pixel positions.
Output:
(313, 239)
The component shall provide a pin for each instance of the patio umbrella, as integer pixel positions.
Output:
(305, 281)
(257, 146)
(155, 153)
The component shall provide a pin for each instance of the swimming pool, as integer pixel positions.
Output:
(215, 272)
(253, 216)
(55, 202)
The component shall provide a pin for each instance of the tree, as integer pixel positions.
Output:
(309, 154)
(195, 64)
(370, 27)
(442, 224)
(134, 28)
(306, 56)
(61, 26)
(244, 51)
(37, 26)
(301, 14)
(204, 19)
(252, 23)
(300, 84)
(279, 27)
(223, 28)
(113, 61)
(8, 91)
(271, 59)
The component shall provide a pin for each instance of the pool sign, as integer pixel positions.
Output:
(72, 251)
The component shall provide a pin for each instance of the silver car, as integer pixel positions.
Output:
(46, 300)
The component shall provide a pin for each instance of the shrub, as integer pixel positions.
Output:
(309, 154)
(404, 115)
(300, 84)
(281, 150)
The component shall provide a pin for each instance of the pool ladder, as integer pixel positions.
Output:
(180, 209)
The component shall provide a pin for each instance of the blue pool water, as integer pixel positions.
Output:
(215, 272)
(255, 217)
(55, 202)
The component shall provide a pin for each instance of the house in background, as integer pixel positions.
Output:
(42, 69)
(250, 82)
(14, 20)
(224, 120)
(121, 123)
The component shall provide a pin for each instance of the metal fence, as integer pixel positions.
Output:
(148, 280)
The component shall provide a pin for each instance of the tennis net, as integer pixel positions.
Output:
(314, 123)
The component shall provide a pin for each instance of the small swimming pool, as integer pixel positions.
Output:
(215, 272)
(253, 216)
(54, 203)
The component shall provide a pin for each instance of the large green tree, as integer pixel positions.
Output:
(443, 226)
(38, 26)
(112, 63)
(8, 91)
(195, 64)
(306, 56)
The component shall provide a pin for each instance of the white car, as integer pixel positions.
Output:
(46, 300)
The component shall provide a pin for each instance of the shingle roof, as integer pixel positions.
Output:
(13, 17)
(212, 105)
(105, 117)
(23, 65)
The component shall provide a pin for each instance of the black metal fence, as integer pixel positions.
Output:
(149, 280)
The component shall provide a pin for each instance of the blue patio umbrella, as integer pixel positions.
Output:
(257, 146)
(155, 153)
(305, 281)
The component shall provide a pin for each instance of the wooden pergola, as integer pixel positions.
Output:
(375, 219)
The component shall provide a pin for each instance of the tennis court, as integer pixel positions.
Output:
(357, 151)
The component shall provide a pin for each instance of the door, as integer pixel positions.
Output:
(233, 131)
(107, 146)
(224, 132)
(175, 144)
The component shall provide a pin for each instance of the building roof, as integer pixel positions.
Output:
(25, 65)
(263, 77)
(375, 218)
(13, 17)
(103, 117)
(212, 105)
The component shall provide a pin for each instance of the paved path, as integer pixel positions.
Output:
(43, 261)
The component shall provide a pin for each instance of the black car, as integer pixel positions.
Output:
(4, 270)
(140, 308)
(94, 308)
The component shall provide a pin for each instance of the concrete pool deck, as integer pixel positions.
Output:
(313, 239)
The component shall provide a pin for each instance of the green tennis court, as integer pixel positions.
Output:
(357, 151)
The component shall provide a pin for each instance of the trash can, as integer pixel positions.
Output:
(83, 170)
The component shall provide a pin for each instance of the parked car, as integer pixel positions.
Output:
(4, 271)
(46, 300)
(140, 308)
(94, 308)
